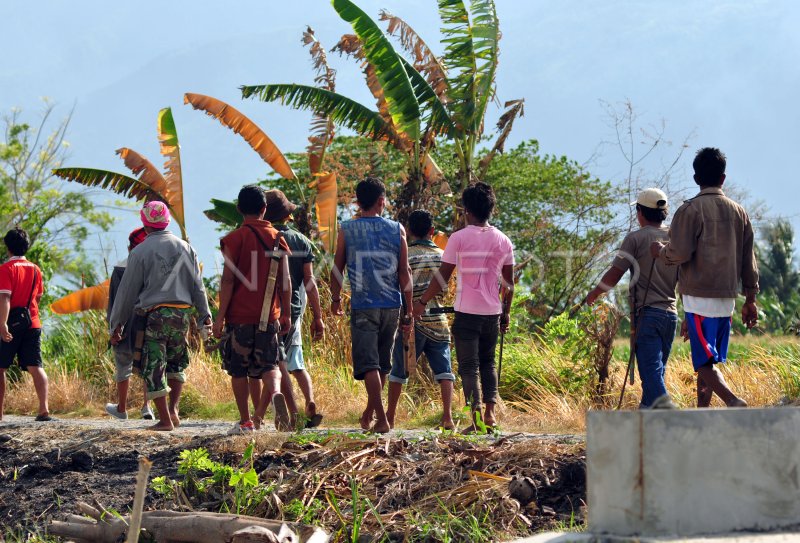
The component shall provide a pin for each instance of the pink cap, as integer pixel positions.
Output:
(155, 215)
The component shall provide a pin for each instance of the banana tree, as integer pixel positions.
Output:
(149, 183)
(409, 115)
(322, 183)
(418, 100)
(463, 78)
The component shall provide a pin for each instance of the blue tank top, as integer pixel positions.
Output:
(373, 251)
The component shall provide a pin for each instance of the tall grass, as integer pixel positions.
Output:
(545, 386)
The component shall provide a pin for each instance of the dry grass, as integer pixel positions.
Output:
(543, 388)
(411, 489)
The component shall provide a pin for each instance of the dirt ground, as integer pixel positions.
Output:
(46, 468)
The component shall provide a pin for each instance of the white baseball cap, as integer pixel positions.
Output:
(653, 198)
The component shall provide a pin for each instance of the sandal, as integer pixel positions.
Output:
(314, 421)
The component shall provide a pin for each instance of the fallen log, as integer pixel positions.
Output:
(180, 527)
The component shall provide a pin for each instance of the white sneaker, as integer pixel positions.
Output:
(238, 429)
(147, 413)
(663, 402)
(111, 409)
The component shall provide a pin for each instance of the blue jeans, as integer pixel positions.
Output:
(437, 353)
(653, 345)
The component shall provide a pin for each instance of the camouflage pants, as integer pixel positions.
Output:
(250, 353)
(165, 350)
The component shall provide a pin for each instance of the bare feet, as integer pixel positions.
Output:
(366, 420)
(447, 424)
(390, 419)
(176, 421)
(257, 421)
(311, 410)
(381, 427)
(160, 427)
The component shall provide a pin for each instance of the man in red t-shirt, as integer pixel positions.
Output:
(21, 286)
(241, 296)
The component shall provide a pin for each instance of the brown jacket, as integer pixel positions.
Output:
(711, 238)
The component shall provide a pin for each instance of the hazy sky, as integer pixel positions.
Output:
(727, 72)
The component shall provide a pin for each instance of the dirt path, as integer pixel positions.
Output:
(47, 467)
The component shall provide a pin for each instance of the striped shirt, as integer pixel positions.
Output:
(425, 257)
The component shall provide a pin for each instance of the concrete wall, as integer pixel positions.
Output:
(689, 472)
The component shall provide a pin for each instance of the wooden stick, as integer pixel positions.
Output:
(138, 499)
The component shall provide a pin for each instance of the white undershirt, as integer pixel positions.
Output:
(709, 307)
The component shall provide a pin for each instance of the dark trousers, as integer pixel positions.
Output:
(475, 339)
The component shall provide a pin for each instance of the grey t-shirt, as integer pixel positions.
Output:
(635, 248)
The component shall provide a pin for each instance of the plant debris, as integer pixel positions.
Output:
(412, 486)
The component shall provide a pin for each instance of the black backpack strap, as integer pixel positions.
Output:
(33, 287)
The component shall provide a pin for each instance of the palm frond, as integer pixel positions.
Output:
(232, 118)
(322, 128)
(438, 118)
(459, 60)
(225, 213)
(340, 109)
(143, 169)
(378, 50)
(325, 208)
(170, 149)
(351, 45)
(425, 61)
(95, 297)
(486, 49)
(514, 109)
(118, 183)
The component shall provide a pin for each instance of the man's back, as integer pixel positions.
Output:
(21, 278)
(635, 248)
(373, 255)
(163, 269)
(302, 254)
(245, 248)
(424, 259)
(711, 238)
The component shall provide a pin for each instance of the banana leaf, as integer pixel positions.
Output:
(170, 149)
(224, 212)
(232, 118)
(95, 297)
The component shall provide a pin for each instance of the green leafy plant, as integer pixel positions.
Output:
(205, 478)
(297, 511)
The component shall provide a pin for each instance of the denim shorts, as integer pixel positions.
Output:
(437, 353)
(372, 332)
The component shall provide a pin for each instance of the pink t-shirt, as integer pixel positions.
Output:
(479, 254)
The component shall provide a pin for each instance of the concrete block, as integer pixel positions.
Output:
(692, 472)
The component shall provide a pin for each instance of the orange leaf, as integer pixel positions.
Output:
(95, 297)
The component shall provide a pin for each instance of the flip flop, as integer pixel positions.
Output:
(43, 418)
(314, 421)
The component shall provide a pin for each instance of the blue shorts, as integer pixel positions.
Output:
(293, 348)
(708, 337)
(437, 353)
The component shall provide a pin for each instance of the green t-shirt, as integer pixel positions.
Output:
(302, 253)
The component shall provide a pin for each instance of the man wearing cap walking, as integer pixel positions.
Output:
(162, 282)
(123, 351)
(304, 292)
(652, 295)
(250, 352)
(711, 239)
